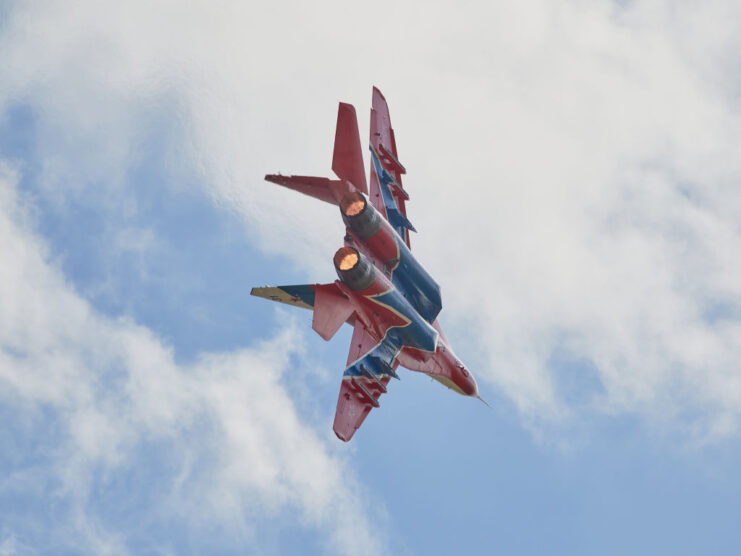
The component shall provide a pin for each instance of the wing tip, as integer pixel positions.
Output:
(298, 296)
(342, 437)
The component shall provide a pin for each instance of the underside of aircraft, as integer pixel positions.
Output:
(383, 292)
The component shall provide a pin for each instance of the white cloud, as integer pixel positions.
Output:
(8, 544)
(583, 154)
(114, 388)
(605, 189)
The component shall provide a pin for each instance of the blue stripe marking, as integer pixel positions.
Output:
(398, 221)
(303, 292)
(412, 279)
(409, 276)
(416, 334)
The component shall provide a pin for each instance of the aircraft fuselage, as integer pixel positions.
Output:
(383, 292)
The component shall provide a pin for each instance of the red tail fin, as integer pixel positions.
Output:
(331, 310)
(347, 161)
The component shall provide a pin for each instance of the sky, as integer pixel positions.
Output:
(574, 171)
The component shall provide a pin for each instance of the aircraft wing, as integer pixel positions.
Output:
(331, 307)
(370, 367)
(299, 296)
(387, 194)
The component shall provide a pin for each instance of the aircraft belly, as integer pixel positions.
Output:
(411, 278)
(383, 292)
(413, 331)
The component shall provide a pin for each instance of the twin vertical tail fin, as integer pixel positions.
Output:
(347, 164)
(331, 310)
(347, 161)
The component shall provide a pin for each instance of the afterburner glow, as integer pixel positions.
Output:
(346, 258)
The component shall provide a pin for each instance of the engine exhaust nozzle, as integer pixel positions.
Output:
(360, 216)
(355, 271)
(353, 204)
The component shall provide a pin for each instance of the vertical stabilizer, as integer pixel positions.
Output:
(347, 161)
(331, 310)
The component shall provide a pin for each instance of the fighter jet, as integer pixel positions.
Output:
(383, 292)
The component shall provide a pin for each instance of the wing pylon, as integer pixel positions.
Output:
(370, 367)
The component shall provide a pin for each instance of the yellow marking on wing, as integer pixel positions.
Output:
(277, 294)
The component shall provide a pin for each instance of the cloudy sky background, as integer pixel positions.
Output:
(574, 175)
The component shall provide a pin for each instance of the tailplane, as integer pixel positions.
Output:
(347, 164)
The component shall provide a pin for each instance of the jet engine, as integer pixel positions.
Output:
(359, 216)
(355, 271)
(377, 238)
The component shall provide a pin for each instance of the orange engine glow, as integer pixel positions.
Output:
(354, 208)
(352, 204)
(346, 258)
(348, 261)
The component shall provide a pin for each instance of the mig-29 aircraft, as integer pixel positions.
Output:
(387, 297)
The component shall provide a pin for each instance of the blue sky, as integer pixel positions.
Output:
(573, 170)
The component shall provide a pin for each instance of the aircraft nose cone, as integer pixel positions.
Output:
(469, 386)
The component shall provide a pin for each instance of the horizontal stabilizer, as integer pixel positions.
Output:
(331, 310)
(347, 161)
(320, 188)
